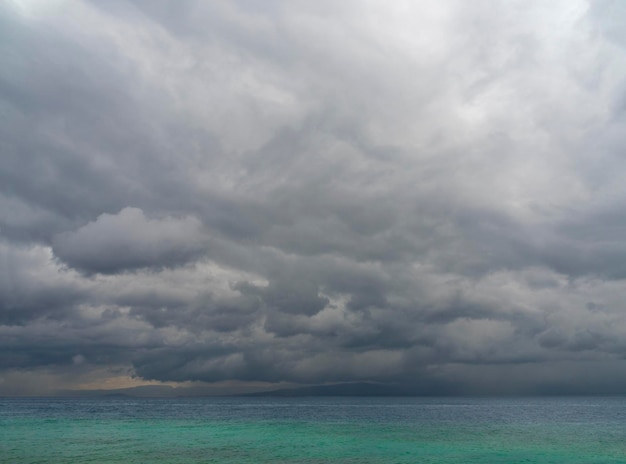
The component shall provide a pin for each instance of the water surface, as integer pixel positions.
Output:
(314, 430)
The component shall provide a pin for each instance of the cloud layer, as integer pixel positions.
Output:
(428, 194)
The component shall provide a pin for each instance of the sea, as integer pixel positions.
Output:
(313, 430)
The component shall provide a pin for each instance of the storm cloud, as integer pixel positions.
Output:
(428, 194)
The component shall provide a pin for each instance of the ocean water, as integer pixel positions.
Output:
(314, 430)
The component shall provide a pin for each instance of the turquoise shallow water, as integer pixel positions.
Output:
(314, 430)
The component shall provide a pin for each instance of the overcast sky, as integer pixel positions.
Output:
(425, 193)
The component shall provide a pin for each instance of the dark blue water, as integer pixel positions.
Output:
(314, 430)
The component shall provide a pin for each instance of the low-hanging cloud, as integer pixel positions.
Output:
(128, 241)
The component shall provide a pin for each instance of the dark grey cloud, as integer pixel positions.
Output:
(128, 241)
(29, 291)
(312, 192)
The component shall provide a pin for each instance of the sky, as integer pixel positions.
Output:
(240, 194)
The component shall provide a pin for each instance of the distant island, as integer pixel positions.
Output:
(339, 389)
